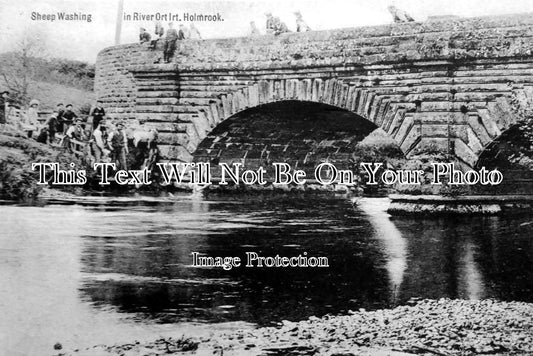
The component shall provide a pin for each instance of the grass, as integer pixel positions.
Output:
(50, 94)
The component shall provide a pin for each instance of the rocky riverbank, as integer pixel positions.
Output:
(426, 327)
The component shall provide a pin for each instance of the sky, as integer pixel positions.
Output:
(82, 40)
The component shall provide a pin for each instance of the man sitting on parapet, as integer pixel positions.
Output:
(194, 34)
(270, 23)
(159, 32)
(170, 43)
(275, 26)
(301, 26)
(254, 31)
(399, 16)
(183, 33)
(143, 35)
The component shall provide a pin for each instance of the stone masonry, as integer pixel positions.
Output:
(453, 85)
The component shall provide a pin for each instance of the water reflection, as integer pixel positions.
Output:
(105, 271)
(471, 283)
(162, 285)
(375, 261)
(468, 257)
(394, 245)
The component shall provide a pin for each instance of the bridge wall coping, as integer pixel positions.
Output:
(461, 38)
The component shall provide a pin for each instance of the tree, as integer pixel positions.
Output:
(17, 67)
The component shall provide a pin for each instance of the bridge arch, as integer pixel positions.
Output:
(300, 133)
(514, 143)
(363, 103)
(511, 153)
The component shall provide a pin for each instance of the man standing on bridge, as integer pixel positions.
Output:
(301, 26)
(170, 43)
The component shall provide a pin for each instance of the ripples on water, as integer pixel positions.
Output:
(102, 271)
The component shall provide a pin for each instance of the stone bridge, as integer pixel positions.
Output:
(450, 85)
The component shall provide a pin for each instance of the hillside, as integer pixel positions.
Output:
(48, 80)
(50, 94)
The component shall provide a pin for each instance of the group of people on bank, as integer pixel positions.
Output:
(101, 141)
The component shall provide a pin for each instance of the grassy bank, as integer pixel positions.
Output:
(17, 153)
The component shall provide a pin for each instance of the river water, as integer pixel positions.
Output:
(109, 270)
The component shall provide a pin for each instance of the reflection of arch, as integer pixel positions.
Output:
(363, 102)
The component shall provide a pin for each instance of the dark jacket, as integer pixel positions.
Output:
(117, 141)
(144, 37)
(53, 124)
(68, 117)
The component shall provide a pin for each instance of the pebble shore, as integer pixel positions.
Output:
(426, 327)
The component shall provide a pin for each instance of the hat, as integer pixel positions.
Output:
(34, 102)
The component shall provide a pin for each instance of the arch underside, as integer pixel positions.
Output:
(512, 154)
(302, 134)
